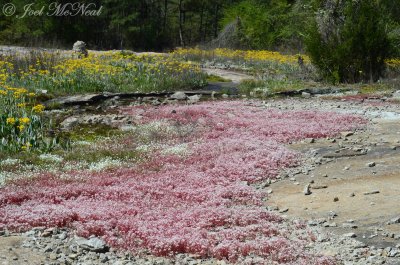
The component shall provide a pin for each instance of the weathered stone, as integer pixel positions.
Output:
(347, 134)
(349, 225)
(179, 95)
(372, 192)
(194, 99)
(307, 190)
(395, 220)
(396, 94)
(350, 235)
(79, 48)
(93, 244)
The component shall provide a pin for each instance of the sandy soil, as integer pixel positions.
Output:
(348, 178)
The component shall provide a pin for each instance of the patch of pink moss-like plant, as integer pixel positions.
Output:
(202, 203)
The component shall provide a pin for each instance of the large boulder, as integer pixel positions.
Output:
(80, 49)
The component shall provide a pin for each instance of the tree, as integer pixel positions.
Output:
(348, 41)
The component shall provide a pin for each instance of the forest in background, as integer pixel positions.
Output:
(159, 25)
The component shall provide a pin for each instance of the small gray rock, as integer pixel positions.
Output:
(372, 192)
(179, 95)
(350, 235)
(349, 225)
(93, 244)
(307, 190)
(194, 99)
(395, 220)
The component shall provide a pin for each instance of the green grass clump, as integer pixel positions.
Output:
(268, 87)
(216, 78)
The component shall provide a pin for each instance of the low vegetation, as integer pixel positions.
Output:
(60, 73)
(22, 127)
(196, 191)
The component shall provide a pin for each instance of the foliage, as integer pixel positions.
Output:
(106, 71)
(21, 126)
(266, 23)
(197, 201)
(267, 87)
(348, 42)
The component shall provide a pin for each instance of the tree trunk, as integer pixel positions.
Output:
(181, 23)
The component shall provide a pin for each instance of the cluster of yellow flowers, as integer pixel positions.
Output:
(91, 65)
(393, 63)
(19, 122)
(100, 70)
(253, 55)
(250, 55)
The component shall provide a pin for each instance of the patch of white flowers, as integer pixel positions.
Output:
(104, 164)
(51, 158)
(180, 149)
(9, 162)
(2, 179)
(82, 143)
(145, 148)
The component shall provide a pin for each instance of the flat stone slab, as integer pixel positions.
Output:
(98, 97)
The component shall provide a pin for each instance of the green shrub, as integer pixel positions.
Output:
(348, 41)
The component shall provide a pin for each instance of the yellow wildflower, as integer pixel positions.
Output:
(26, 146)
(21, 127)
(24, 120)
(21, 105)
(38, 108)
(10, 121)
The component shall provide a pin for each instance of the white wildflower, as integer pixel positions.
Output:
(51, 158)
